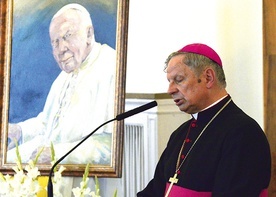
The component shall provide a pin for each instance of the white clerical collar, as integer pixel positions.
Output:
(195, 115)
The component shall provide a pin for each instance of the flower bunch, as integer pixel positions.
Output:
(24, 183)
(83, 190)
(57, 179)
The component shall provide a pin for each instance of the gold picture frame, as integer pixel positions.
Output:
(7, 41)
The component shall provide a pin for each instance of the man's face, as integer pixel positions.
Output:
(186, 89)
(69, 40)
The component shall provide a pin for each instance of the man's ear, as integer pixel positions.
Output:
(210, 77)
(90, 34)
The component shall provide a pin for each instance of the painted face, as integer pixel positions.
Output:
(69, 38)
(186, 89)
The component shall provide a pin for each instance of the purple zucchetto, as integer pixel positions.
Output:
(204, 50)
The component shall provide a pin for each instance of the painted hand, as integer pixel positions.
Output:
(14, 135)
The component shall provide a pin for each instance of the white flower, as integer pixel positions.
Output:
(93, 194)
(83, 190)
(5, 184)
(21, 184)
(77, 191)
(57, 182)
(25, 184)
(33, 172)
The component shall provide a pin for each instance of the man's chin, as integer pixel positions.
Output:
(181, 108)
(185, 109)
(68, 68)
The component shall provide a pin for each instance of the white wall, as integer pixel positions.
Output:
(232, 28)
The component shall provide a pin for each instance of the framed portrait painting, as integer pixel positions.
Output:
(63, 67)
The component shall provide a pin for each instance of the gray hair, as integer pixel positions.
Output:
(198, 63)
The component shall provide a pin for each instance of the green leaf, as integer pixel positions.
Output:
(115, 193)
(85, 175)
(53, 154)
(18, 155)
(2, 177)
(97, 186)
(38, 155)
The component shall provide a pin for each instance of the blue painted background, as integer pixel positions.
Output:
(33, 68)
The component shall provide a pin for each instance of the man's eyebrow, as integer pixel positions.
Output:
(68, 31)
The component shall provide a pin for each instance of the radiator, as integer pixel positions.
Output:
(140, 149)
(134, 161)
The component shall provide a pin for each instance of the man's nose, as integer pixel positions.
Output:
(172, 88)
(63, 45)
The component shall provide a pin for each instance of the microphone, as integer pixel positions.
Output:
(136, 110)
(118, 118)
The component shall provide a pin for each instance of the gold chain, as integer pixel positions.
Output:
(177, 168)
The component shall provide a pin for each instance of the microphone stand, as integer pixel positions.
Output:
(118, 117)
(50, 183)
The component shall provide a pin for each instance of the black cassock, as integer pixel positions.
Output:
(230, 159)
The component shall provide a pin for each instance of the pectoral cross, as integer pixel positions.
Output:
(172, 180)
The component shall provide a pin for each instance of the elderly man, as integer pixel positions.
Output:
(81, 97)
(220, 151)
